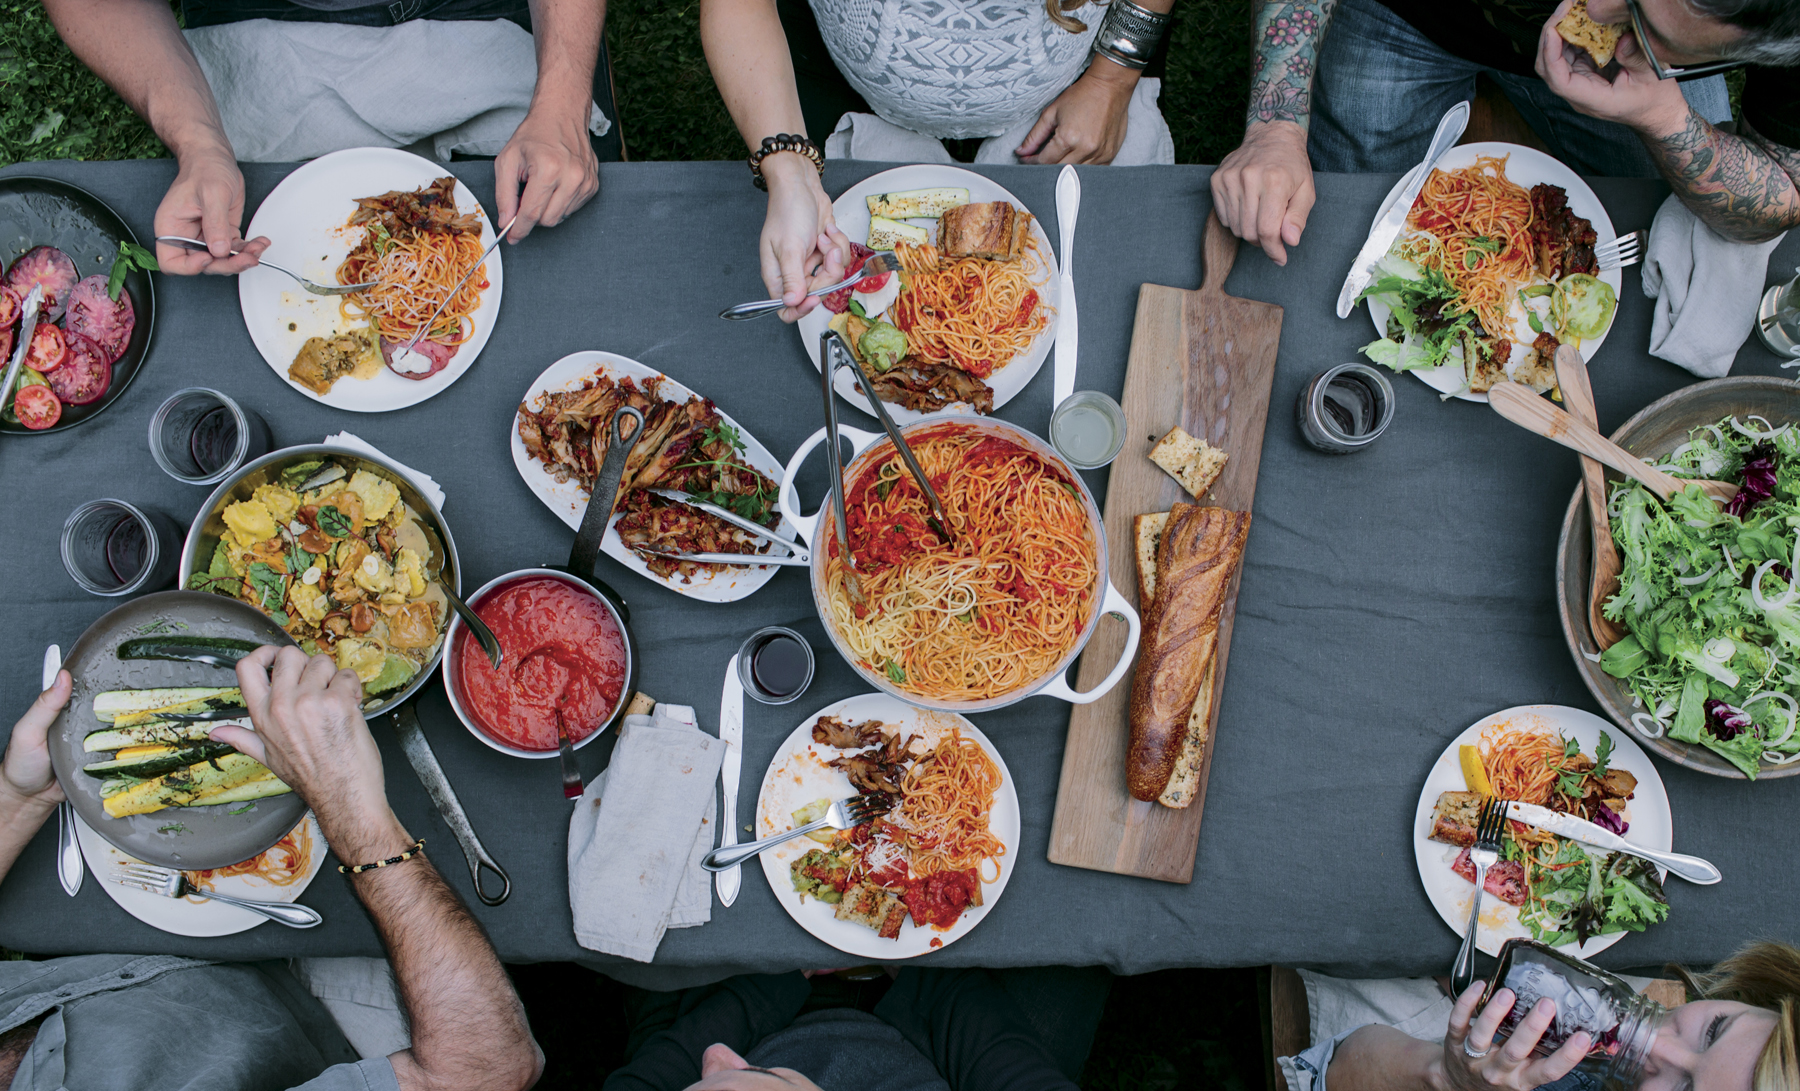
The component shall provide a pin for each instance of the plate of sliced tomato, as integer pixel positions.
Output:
(93, 330)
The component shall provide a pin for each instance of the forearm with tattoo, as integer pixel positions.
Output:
(1286, 51)
(1743, 187)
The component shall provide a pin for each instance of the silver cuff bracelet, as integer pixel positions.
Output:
(1130, 33)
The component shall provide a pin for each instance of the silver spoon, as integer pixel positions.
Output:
(316, 289)
(483, 635)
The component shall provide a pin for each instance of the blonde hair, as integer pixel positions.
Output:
(1763, 975)
(1058, 12)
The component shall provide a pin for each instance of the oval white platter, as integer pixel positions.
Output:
(568, 499)
(852, 212)
(798, 775)
(304, 218)
(194, 915)
(1451, 895)
(1524, 167)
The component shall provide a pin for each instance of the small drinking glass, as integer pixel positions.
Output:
(1778, 321)
(114, 548)
(775, 665)
(1088, 429)
(200, 436)
(1345, 408)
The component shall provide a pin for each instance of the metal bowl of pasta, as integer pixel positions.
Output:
(343, 552)
(992, 616)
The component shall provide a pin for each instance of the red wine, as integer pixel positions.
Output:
(779, 666)
(127, 548)
(213, 440)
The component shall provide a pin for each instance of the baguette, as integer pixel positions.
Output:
(1193, 462)
(1195, 561)
(1146, 532)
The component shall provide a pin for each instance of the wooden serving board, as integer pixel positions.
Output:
(1203, 360)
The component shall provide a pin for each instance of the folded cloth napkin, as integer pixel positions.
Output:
(639, 832)
(293, 90)
(1706, 289)
(421, 481)
(866, 136)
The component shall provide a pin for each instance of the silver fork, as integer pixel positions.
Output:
(316, 289)
(879, 263)
(173, 884)
(1484, 854)
(1627, 249)
(842, 815)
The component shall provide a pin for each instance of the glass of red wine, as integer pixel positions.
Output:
(200, 436)
(775, 665)
(114, 548)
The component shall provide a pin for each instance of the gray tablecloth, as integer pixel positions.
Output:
(1389, 599)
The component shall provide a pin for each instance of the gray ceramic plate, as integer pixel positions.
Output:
(207, 836)
(1654, 431)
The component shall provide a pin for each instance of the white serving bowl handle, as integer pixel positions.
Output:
(860, 441)
(1116, 605)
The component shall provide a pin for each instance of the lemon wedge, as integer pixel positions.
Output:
(1474, 772)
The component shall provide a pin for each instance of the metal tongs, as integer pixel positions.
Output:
(834, 354)
(796, 555)
(34, 303)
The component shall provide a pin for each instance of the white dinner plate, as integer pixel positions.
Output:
(1451, 895)
(852, 211)
(192, 915)
(568, 499)
(1525, 167)
(304, 218)
(798, 775)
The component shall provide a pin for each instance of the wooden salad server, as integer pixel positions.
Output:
(1534, 414)
(1603, 568)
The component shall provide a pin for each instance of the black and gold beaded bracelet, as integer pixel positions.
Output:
(784, 142)
(417, 847)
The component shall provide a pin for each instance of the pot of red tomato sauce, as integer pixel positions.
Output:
(565, 646)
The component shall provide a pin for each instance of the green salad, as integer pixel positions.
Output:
(1710, 597)
(1582, 892)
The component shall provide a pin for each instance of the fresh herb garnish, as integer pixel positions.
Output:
(131, 256)
(720, 432)
(1603, 754)
(173, 827)
(333, 522)
(856, 308)
(269, 587)
(883, 487)
(250, 806)
(161, 626)
(755, 506)
(896, 672)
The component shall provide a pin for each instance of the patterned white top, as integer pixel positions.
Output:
(955, 68)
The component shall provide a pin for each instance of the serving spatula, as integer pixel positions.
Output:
(1603, 569)
(1529, 411)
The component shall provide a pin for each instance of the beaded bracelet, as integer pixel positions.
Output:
(784, 142)
(417, 847)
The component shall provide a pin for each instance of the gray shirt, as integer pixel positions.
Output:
(145, 1023)
(842, 1049)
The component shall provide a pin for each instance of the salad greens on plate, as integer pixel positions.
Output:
(1710, 597)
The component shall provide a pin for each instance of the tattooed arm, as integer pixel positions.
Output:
(1263, 191)
(1743, 187)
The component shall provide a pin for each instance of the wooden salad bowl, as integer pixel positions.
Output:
(1654, 431)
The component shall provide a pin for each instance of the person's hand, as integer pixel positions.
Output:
(206, 202)
(311, 733)
(1263, 191)
(801, 246)
(25, 774)
(1510, 1065)
(552, 158)
(721, 1069)
(1632, 96)
(1086, 123)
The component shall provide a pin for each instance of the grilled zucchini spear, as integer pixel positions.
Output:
(186, 787)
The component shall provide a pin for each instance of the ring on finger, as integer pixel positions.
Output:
(1473, 1053)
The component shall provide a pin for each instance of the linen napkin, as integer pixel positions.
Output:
(1706, 289)
(421, 481)
(638, 834)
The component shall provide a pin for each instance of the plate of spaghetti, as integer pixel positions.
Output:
(1545, 887)
(974, 304)
(993, 615)
(1494, 269)
(381, 215)
(279, 874)
(919, 877)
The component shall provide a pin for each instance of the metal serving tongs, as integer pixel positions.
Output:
(828, 365)
(833, 349)
(797, 555)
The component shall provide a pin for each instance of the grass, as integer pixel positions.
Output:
(51, 107)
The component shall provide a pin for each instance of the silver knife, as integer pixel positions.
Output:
(69, 869)
(1393, 218)
(1691, 868)
(1068, 329)
(27, 326)
(731, 733)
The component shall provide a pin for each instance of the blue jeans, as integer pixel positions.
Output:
(1382, 86)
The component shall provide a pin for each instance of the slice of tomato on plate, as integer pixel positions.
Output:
(9, 307)
(36, 407)
(48, 348)
(85, 374)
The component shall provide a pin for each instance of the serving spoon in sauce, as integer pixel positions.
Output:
(483, 635)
